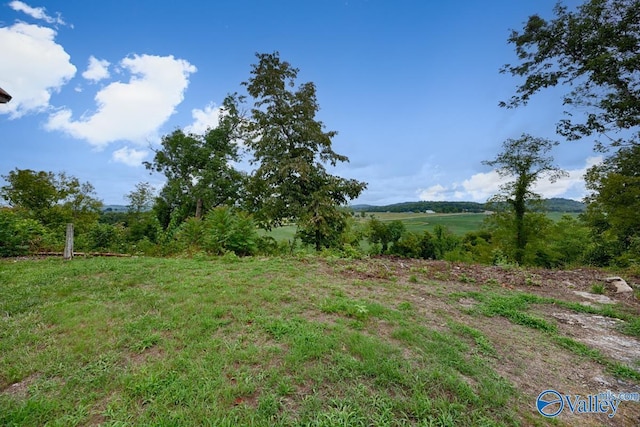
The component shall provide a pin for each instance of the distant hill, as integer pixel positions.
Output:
(553, 205)
(557, 204)
(115, 208)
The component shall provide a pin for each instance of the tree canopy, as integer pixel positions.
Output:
(52, 199)
(595, 50)
(199, 170)
(615, 202)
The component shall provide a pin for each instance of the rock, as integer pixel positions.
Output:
(619, 283)
(602, 299)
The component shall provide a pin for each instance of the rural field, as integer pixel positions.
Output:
(457, 223)
(308, 341)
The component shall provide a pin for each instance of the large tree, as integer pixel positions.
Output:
(199, 170)
(291, 150)
(594, 50)
(526, 160)
(613, 206)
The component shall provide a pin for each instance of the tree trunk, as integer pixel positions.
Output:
(199, 208)
(318, 238)
(520, 208)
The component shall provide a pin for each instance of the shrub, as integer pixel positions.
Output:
(19, 236)
(104, 237)
(229, 230)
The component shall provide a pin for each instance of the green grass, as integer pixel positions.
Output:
(229, 342)
(458, 224)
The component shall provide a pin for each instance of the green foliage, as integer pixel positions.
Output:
(19, 236)
(612, 210)
(191, 234)
(478, 246)
(567, 242)
(52, 199)
(198, 171)
(384, 233)
(226, 229)
(291, 149)
(594, 51)
(526, 160)
(105, 237)
(414, 245)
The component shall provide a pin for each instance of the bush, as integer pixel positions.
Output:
(413, 245)
(19, 236)
(229, 230)
(104, 237)
(190, 234)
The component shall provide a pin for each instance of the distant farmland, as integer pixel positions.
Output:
(458, 223)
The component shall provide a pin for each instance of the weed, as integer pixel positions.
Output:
(405, 306)
(465, 279)
(532, 280)
(597, 288)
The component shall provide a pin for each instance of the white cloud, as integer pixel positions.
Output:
(434, 193)
(36, 12)
(209, 117)
(481, 186)
(131, 111)
(572, 183)
(97, 70)
(33, 66)
(129, 156)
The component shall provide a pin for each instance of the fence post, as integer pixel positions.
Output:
(68, 245)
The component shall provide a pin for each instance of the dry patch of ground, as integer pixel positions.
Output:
(527, 357)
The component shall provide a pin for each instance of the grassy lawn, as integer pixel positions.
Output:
(230, 342)
(287, 342)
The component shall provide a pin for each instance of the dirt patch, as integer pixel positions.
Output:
(20, 389)
(529, 359)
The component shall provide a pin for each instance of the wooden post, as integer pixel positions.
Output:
(68, 245)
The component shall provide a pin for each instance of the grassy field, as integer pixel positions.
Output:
(458, 224)
(254, 341)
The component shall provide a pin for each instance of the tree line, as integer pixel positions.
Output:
(554, 204)
(208, 205)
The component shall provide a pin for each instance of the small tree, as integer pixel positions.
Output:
(379, 232)
(526, 160)
(141, 222)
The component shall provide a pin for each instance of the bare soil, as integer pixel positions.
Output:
(529, 359)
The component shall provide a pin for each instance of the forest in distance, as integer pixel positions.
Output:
(554, 204)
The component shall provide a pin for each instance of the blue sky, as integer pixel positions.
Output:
(411, 86)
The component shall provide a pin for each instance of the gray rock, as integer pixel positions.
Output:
(619, 283)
